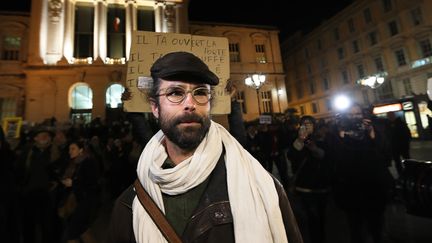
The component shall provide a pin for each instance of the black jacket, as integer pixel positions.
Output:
(211, 221)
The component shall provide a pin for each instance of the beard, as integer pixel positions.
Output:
(186, 138)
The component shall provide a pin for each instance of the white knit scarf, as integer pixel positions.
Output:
(253, 197)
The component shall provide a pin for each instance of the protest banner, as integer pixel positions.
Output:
(147, 47)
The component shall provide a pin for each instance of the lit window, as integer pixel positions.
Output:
(113, 96)
(116, 37)
(234, 51)
(81, 97)
(266, 100)
(260, 53)
(11, 48)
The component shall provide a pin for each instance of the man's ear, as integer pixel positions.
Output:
(155, 108)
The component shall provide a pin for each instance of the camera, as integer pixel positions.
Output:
(353, 127)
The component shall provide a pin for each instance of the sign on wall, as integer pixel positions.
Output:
(12, 126)
(147, 47)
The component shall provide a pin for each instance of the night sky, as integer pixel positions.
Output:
(301, 15)
(288, 16)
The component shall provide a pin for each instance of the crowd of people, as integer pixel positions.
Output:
(58, 175)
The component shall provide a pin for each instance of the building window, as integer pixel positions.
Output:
(234, 51)
(379, 65)
(266, 100)
(426, 48)
(299, 90)
(312, 87)
(416, 16)
(367, 16)
(393, 28)
(407, 86)
(323, 63)
(113, 96)
(373, 38)
(351, 25)
(240, 97)
(8, 107)
(116, 34)
(260, 53)
(11, 48)
(145, 18)
(341, 53)
(400, 57)
(329, 105)
(336, 34)
(81, 102)
(356, 47)
(345, 78)
(385, 91)
(360, 71)
(387, 5)
(83, 39)
(314, 107)
(326, 83)
(302, 110)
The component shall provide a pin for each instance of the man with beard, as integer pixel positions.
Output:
(207, 186)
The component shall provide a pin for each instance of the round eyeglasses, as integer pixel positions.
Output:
(178, 94)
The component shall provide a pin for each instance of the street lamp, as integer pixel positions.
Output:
(373, 81)
(256, 81)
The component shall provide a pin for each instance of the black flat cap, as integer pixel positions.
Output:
(183, 66)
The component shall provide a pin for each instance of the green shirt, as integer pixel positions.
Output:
(179, 208)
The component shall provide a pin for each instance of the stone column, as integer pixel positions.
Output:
(55, 26)
(68, 41)
(158, 16)
(131, 24)
(100, 31)
(35, 33)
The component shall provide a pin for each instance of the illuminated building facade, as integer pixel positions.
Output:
(67, 58)
(368, 38)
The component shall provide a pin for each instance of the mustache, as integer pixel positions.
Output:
(189, 118)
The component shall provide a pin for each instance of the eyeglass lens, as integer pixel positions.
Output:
(201, 95)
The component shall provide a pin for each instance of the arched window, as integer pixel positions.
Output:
(81, 97)
(113, 96)
(81, 102)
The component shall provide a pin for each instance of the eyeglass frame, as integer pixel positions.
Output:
(186, 92)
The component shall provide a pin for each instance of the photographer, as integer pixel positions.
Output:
(362, 181)
(310, 181)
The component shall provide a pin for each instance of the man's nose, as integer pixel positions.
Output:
(189, 102)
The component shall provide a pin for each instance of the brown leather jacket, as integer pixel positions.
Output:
(211, 221)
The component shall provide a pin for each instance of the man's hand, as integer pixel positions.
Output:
(126, 95)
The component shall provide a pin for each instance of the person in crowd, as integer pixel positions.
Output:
(208, 187)
(311, 179)
(8, 190)
(362, 181)
(235, 118)
(36, 182)
(400, 137)
(81, 194)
